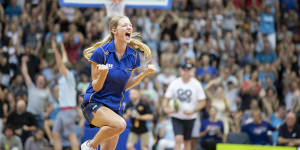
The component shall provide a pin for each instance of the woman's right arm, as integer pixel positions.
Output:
(99, 73)
(28, 80)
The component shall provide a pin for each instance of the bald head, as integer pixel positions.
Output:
(291, 119)
(21, 105)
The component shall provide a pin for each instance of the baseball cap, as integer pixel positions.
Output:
(187, 66)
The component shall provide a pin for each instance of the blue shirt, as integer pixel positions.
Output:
(290, 5)
(211, 70)
(258, 133)
(266, 58)
(13, 11)
(113, 90)
(212, 136)
(267, 22)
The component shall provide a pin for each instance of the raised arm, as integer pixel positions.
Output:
(208, 86)
(24, 69)
(59, 62)
(133, 81)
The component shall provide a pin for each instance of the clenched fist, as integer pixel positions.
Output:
(150, 69)
(102, 69)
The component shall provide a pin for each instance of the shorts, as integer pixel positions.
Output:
(183, 127)
(133, 138)
(88, 108)
(65, 122)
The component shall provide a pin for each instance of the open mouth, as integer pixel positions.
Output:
(128, 35)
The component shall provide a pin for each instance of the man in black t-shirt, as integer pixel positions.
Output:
(21, 121)
(140, 113)
(289, 132)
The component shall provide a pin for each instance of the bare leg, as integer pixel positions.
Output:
(110, 144)
(187, 144)
(74, 142)
(47, 126)
(56, 141)
(178, 141)
(111, 125)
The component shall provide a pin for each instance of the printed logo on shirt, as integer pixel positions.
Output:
(294, 135)
(105, 52)
(110, 66)
(259, 130)
(184, 95)
(213, 130)
(94, 107)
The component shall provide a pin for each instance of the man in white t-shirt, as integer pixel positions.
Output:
(190, 94)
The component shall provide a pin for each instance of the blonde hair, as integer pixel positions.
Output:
(135, 41)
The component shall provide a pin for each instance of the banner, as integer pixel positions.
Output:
(148, 4)
(251, 147)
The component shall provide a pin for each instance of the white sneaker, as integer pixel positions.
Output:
(86, 146)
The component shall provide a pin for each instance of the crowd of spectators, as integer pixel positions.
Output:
(246, 53)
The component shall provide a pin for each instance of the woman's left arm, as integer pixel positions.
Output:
(133, 81)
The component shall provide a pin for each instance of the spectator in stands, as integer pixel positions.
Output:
(289, 132)
(13, 9)
(185, 54)
(37, 141)
(232, 95)
(292, 88)
(169, 58)
(268, 56)
(140, 112)
(219, 101)
(33, 38)
(250, 90)
(258, 129)
(73, 42)
(17, 87)
(22, 122)
(5, 70)
(38, 93)
(10, 141)
(206, 68)
(236, 122)
(212, 130)
(287, 5)
(270, 102)
(64, 124)
(267, 24)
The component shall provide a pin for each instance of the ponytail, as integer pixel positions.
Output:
(87, 53)
(135, 43)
